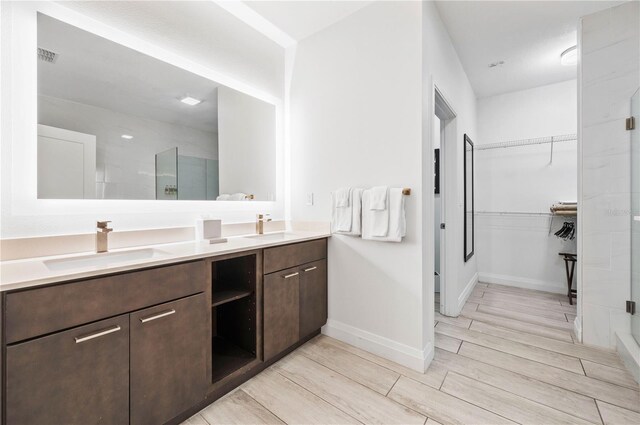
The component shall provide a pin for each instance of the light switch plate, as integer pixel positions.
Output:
(310, 198)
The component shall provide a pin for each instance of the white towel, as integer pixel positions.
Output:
(378, 198)
(375, 222)
(238, 196)
(396, 223)
(354, 211)
(232, 197)
(342, 197)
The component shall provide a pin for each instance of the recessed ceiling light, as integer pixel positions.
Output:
(569, 57)
(127, 136)
(191, 101)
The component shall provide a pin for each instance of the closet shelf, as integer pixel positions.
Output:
(527, 142)
(224, 297)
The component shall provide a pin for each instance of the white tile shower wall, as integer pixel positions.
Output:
(125, 169)
(610, 74)
(517, 249)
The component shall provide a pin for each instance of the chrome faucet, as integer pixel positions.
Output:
(260, 220)
(102, 236)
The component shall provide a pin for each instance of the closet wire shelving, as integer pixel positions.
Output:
(550, 215)
(528, 142)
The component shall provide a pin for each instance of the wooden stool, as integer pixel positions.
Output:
(570, 266)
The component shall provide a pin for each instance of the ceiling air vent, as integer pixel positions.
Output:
(47, 55)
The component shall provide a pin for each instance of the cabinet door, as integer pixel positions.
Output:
(313, 297)
(281, 296)
(168, 359)
(79, 376)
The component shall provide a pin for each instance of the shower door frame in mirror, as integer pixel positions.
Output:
(19, 105)
(468, 196)
(635, 215)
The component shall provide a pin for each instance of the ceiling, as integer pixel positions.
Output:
(300, 19)
(99, 72)
(528, 36)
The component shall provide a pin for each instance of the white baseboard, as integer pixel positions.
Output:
(522, 282)
(577, 328)
(464, 296)
(405, 355)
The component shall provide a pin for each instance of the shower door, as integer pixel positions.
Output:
(635, 215)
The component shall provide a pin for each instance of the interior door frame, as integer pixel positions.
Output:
(448, 137)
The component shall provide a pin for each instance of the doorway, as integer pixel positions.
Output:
(444, 136)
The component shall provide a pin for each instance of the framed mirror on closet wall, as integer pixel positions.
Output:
(469, 221)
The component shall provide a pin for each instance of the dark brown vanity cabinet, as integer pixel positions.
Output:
(295, 298)
(145, 365)
(168, 359)
(281, 311)
(154, 345)
(313, 297)
(79, 376)
(235, 315)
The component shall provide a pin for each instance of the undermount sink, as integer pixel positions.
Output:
(104, 259)
(277, 236)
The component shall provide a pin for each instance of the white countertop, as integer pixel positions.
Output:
(32, 272)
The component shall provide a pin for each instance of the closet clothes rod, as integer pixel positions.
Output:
(528, 142)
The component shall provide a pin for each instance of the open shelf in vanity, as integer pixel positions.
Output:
(234, 314)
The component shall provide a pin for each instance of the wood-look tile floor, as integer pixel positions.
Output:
(509, 358)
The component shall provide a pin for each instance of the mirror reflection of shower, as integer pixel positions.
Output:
(182, 177)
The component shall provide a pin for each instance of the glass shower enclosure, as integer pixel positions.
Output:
(635, 215)
(185, 177)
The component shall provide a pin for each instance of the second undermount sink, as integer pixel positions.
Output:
(276, 236)
(104, 259)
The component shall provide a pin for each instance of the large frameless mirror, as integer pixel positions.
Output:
(468, 199)
(114, 123)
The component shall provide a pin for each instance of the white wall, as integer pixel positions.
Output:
(192, 35)
(516, 249)
(356, 121)
(610, 74)
(247, 152)
(125, 169)
(443, 69)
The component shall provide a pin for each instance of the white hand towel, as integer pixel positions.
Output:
(356, 205)
(238, 197)
(341, 216)
(378, 198)
(397, 225)
(355, 210)
(375, 223)
(343, 196)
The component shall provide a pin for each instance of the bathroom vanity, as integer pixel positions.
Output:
(155, 343)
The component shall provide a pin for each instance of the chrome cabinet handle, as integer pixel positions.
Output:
(287, 276)
(157, 316)
(310, 269)
(98, 334)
